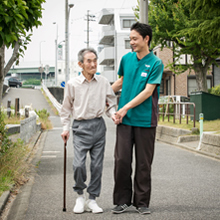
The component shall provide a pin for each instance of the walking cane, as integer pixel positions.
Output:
(64, 180)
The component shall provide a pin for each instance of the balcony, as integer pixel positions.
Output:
(109, 73)
(107, 37)
(106, 56)
(106, 16)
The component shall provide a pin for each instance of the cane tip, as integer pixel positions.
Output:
(64, 209)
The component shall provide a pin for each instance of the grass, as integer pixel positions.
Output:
(13, 166)
(13, 161)
(13, 120)
(213, 125)
(43, 119)
(50, 103)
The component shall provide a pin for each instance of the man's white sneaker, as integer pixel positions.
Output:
(93, 207)
(79, 206)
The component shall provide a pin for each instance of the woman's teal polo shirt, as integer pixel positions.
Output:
(137, 74)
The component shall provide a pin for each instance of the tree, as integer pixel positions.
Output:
(182, 23)
(17, 19)
(208, 25)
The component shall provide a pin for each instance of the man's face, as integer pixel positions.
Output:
(137, 42)
(89, 64)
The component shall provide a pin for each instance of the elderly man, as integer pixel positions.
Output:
(85, 98)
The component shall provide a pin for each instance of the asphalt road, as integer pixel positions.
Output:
(185, 185)
(31, 97)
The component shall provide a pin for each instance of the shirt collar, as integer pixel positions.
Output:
(83, 78)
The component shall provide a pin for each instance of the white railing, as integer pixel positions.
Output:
(55, 103)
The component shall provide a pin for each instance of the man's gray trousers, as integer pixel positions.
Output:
(88, 136)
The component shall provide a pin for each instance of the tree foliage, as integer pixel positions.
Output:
(185, 24)
(209, 22)
(17, 20)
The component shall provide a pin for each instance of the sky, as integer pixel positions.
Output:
(42, 46)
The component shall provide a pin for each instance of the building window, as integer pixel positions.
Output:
(192, 86)
(127, 23)
(216, 74)
(168, 86)
(127, 44)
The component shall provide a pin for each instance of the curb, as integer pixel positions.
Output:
(3, 200)
(5, 196)
(191, 149)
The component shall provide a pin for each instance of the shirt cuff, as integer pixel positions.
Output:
(110, 112)
(66, 127)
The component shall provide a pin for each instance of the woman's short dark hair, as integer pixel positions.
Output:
(84, 51)
(143, 30)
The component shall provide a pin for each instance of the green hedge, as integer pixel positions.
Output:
(35, 82)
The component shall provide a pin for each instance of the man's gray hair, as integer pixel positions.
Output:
(84, 51)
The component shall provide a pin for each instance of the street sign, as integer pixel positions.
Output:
(41, 69)
(47, 67)
(62, 84)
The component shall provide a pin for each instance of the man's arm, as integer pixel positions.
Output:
(65, 113)
(141, 97)
(117, 85)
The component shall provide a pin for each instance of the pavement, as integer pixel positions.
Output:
(185, 183)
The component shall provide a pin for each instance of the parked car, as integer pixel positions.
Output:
(6, 80)
(14, 82)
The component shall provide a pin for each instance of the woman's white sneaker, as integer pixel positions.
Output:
(93, 207)
(79, 206)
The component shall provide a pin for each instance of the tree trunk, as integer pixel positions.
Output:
(5, 68)
(200, 72)
(2, 63)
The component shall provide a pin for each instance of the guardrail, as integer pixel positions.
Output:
(180, 109)
(56, 104)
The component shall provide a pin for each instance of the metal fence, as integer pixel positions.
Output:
(178, 110)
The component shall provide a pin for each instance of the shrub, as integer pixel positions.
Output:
(43, 117)
(5, 143)
(43, 114)
(215, 90)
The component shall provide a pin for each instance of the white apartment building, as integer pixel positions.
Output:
(61, 71)
(114, 41)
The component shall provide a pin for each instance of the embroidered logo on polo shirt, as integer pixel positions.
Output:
(147, 65)
(143, 74)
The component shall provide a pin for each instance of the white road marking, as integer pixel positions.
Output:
(50, 152)
(49, 156)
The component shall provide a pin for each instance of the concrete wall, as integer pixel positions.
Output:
(58, 93)
(169, 134)
(210, 143)
(28, 127)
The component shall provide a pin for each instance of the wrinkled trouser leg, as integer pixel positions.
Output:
(88, 136)
(143, 139)
(122, 171)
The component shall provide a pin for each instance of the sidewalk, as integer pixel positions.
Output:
(42, 197)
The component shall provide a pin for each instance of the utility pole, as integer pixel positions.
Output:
(144, 11)
(87, 29)
(56, 72)
(67, 12)
(66, 42)
(88, 18)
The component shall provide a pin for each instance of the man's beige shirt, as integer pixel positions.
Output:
(87, 100)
